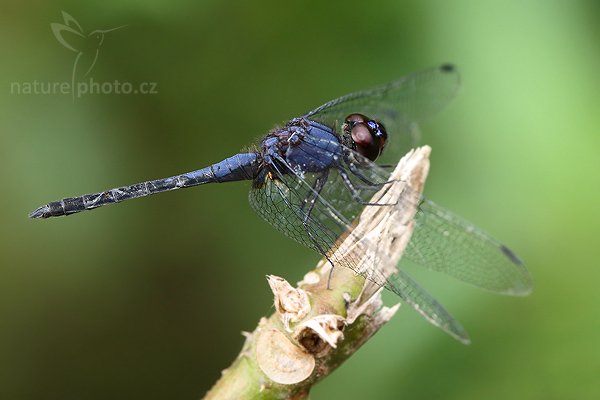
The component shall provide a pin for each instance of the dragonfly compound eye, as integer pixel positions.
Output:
(368, 135)
(378, 131)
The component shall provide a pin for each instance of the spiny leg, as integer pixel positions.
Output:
(352, 189)
(352, 167)
(387, 166)
(356, 171)
(316, 189)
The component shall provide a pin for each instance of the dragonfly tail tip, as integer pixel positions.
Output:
(40, 212)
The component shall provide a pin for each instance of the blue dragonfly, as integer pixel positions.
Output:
(313, 176)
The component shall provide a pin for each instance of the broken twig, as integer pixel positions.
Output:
(315, 329)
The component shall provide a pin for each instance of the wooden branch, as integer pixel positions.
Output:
(315, 329)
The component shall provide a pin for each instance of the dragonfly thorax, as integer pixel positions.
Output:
(302, 145)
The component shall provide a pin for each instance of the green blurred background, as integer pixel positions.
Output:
(147, 299)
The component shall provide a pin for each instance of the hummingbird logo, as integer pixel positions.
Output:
(86, 46)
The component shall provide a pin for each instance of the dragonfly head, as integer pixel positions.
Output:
(368, 135)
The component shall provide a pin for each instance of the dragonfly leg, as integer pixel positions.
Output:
(306, 209)
(362, 177)
(354, 192)
(387, 166)
(309, 202)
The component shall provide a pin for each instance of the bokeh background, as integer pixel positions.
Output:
(147, 299)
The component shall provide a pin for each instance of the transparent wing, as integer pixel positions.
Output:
(318, 215)
(400, 105)
(444, 242)
(441, 241)
(414, 295)
(281, 201)
(291, 204)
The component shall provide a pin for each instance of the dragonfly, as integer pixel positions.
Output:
(314, 175)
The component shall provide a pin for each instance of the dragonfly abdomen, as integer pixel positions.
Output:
(242, 166)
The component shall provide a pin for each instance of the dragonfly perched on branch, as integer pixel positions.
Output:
(313, 176)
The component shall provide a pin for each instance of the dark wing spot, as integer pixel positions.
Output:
(511, 256)
(447, 67)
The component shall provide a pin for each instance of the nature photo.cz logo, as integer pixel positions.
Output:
(86, 49)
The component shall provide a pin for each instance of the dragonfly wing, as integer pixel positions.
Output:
(414, 295)
(444, 242)
(283, 202)
(441, 241)
(290, 202)
(400, 105)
